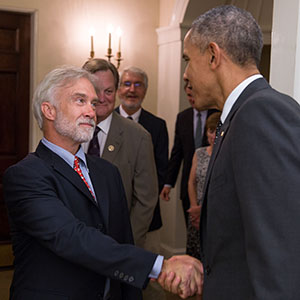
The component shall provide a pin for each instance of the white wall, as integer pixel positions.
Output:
(285, 50)
(61, 36)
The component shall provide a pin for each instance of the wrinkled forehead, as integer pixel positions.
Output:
(132, 76)
(72, 86)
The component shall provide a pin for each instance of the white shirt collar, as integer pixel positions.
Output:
(235, 94)
(105, 124)
(67, 156)
(134, 116)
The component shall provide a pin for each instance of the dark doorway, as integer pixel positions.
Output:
(14, 106)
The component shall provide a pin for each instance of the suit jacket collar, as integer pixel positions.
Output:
(189, 126)
(251, 89)
(143, 120)
(100, 189)
(60, 166)
(114, 139)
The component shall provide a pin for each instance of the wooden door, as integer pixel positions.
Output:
(14, 103)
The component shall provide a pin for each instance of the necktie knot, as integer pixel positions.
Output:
(76, 163)
(79, 172)
(97, 129)
(94, 147)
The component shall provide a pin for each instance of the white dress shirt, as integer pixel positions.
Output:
(135, 117)
(235, 94)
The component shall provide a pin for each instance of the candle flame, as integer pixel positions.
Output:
(119, 32)
(92, 31)
(110, 28)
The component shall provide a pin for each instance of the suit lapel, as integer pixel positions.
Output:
(251, 89)
(114, 139)
(143, 120)
(98, 179)
(190, 126)
(60, 166)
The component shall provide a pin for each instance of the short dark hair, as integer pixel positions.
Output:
(233, 29)
(98, 64)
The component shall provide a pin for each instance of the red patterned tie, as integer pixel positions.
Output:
(78, 170)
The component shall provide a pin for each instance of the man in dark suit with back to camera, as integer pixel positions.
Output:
(190, 134)
(68, 213)
(250, 222)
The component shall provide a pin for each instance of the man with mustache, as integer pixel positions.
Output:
(68, 213)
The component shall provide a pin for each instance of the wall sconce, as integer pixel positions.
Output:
(109, 49)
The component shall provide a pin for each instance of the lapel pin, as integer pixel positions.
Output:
(222, 133)
(111, 148)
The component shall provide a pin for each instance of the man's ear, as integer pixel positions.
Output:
(48, 111)
(214, 53)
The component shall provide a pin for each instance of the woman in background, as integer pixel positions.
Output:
(196, 184)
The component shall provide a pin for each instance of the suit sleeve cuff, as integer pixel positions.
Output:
(156, 267)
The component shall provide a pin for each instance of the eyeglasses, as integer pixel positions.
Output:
(135, 84)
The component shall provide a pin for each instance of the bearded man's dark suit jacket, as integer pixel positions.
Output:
(65, 246)
(250, 218)
(183, 150)
(158, 129)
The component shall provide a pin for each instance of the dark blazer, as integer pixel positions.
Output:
(250, 217)
(183, 150)
(158, 129)
(64, 243)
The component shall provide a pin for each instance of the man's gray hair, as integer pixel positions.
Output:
(135, 70)
(233, 29)
(57, 78)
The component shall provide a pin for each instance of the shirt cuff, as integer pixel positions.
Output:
(156, 267)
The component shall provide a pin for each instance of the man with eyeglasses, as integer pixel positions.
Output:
(131, 92)
(126, 145)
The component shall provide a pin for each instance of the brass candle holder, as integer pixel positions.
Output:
(92, 54)
(118, 59)
(109, 54)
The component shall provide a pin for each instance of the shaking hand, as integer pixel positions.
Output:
(182, 275)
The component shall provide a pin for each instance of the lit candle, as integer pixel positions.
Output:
(119, 33)
(110, 30)
(92, 43)
(92, 33)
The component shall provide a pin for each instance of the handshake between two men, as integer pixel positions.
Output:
(182, 275)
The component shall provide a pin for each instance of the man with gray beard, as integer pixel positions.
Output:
(68, 214)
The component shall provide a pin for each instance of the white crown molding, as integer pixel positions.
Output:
(168, 34)
(179, 12)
